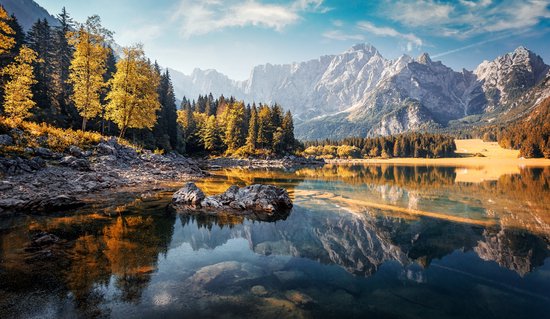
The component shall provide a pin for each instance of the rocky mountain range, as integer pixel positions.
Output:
(27, 12)
(361, 93)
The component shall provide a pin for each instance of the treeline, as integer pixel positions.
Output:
(227, 126)
(68, 76)
(530, 135)
(420, 145)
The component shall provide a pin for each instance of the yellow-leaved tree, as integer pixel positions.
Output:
(7, 40)
(88, 67)
(17, 91)
(133, 99)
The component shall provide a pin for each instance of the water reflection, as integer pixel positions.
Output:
(352, 246)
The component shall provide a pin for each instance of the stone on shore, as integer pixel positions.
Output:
(189, 194)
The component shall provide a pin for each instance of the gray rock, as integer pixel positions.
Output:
(75, 151)
(76, 163)
(43, 152)
(6, 140)
(105, 149)
(189, 194)
(263, 198)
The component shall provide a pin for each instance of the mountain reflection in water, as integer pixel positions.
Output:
(384, 241)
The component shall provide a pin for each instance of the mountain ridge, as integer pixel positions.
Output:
(354, 91)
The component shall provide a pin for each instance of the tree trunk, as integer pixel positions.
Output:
(83, 124)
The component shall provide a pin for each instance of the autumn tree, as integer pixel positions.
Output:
(133, 99)
(7, 40)
(88, 67)
(17, 92)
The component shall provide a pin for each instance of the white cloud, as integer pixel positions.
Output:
(473, 4)
(419, 12)
(467, 18)
(412, 40)
(202, 17)
(341, 36)
(134, 35)
(522, 15)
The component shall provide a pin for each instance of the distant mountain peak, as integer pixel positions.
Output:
(424, 58)
(363, 47)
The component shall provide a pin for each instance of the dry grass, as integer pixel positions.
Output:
(44, 135)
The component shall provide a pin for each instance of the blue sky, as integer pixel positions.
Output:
(233, 36)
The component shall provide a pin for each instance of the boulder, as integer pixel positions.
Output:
(75, 151)
(76, 163)
(253, 198)
(43, 152)
(189, 194)
(6, 140)
(105, 149)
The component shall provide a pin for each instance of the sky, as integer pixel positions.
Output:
(234, 36)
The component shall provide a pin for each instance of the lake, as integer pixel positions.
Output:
(378, 241)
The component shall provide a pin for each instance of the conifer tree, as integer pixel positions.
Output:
(234, 123)
(40, 40)
(17, 92)
(287, 126)
(62, 56)
(133, 99)
(265, 127)
(88, 67)
(211, 135)
(252, 137)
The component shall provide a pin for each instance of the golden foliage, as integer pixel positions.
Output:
(133, 99)
(17, 92)
(6, 32)
(87, 69)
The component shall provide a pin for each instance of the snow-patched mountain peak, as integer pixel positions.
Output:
(363, 47)
(510, 75)
(359, 89)
(424, 58)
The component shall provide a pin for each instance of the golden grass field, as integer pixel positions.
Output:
(496, 161)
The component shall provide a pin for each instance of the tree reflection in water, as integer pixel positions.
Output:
(112, 254)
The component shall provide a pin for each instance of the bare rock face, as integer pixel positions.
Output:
(189, 194)
(253, 198)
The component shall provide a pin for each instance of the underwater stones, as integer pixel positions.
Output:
(259, 291)
(255, 198)
(298, 298)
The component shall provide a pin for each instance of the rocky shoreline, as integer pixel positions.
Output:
(44, 180)
(41, 180)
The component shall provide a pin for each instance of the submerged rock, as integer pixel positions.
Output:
(253, 198)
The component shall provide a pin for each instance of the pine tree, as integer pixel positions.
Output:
(211, 135)
(40, 40)
(133, 99)
(265, 127)
(88, 67)
(234, 123)
(287, 126)
(166, 130)
(62, 56)
(17, 92)
(252, 137)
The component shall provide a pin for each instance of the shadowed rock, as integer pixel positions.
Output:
(253, 198)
